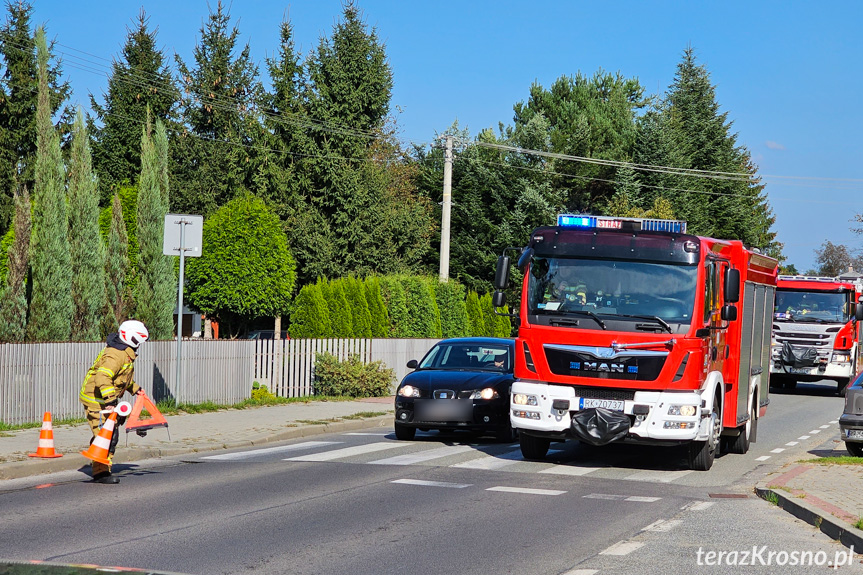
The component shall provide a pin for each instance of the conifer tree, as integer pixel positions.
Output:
(310, 316)
(502, 324)
(422, 311)
(85, 243)
(13, 305)
(118, 296)
(453, 313)
(396, 302)
(474, 314)
(341, 317)
(19, 87)
(50, 263)
(377, 308)
(360, 314)
(488, 316)
(139, 80)
(155, 295)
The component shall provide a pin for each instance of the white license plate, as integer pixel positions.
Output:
(797, 370)
(612, 404)
(854, 433)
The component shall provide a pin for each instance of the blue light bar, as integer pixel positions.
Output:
(612, 223)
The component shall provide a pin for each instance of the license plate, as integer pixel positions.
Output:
(854, 433)
(612, 404)
(444, 410)
(797, 370)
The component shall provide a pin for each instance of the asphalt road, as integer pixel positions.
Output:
(367, 503)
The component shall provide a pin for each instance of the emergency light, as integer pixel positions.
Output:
(627, 224)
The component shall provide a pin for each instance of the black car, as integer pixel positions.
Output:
(461, 383)
(851, 422)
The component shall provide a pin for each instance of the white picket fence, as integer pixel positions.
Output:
(40, 377)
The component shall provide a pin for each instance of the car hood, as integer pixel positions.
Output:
(456, 380)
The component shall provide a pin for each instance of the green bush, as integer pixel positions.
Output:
(351, 378)
(261, 393)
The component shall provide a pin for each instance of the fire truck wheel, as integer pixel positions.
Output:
(535, 448)
(740, 444)
(404, 432)
(702, 453)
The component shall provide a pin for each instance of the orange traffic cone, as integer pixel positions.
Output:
(100, 448)
(46, 439)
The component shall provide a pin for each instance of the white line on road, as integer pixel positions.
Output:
(835, 421)
(791, 443)
(762, 458)
(663, 525)
(411, 458)
(582, 572)
(603, 496)
(698, 505)
(488, 462)
(655, 476)
(824, 426)
(804, 437)
(269, 450)
(777, 450)
(570, 470)
(376, 433)
(642, 499)
(622, 548)
(814, 431)
(432, 483)
(526, 490)
(347, 452)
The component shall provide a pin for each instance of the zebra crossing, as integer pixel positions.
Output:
(480, 457)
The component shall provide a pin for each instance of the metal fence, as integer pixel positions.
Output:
(40, 377)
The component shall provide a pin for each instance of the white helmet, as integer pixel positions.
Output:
(133, 333)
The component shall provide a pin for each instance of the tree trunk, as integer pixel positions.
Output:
(208, 327)
(277, 329)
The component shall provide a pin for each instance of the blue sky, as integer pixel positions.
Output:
(789, 74)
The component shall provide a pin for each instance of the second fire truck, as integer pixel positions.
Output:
(633, 330)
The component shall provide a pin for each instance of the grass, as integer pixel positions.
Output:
(859, 523)
(840, 460)
(168, 407)
(771, 497)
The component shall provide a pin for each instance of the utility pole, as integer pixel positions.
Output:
(445, 211)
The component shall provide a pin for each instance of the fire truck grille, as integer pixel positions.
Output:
(604, 393)
(572, 362)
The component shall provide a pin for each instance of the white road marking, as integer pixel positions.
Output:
(269, 450)
(492, 461)
(526, 490)
(432, 483)
(429, 454)
(603, 496)
(777, 450)
(377, 433)
(641, 499)
(804, 437)
(835, 421)
(824, 426)
(663, 525)
(582, 572)
(762, 458)
(622, 548)
(346, 452)
(698, 505)
(814, 431)
(657, 476)
(791, 443)
(570, 470)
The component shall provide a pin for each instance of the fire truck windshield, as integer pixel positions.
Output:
(628, 293)
(812, 306)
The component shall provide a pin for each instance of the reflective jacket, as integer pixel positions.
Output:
(110, 375)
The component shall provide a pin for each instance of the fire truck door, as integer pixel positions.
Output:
(713, 299)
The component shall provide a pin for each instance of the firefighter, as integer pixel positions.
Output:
(105, 383)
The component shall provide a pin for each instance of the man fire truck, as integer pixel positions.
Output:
(658, 337)
(815, 333)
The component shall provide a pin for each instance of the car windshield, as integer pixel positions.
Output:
(628, 291)
(812, 306)
(468, 356)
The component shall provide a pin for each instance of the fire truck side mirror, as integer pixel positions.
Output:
(858, 311)
(501, 273)
(732, 285)
(729, 313)
(498, 299)
(524, 259)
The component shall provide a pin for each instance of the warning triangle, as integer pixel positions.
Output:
(135, 423)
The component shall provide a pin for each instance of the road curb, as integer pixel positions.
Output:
(34, 467)
(831, 526)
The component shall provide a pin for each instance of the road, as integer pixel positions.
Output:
(366, 503)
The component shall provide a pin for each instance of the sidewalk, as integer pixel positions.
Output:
(192, 433)
(827, 496)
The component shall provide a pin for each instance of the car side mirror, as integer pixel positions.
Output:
(729, 313)
(412, 364)
(732, 285)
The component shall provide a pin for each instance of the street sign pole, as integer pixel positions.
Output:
(183, 222)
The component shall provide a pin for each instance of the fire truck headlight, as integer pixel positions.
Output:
(683, 410)
(524, 399)
(841, 356)
(525, 414)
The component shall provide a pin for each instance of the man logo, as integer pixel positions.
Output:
(609, 367)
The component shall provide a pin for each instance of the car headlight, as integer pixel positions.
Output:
(524, 399)
(487, 393)
(409, 391)
(683, 410)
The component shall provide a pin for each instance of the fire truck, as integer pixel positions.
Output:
(815, 331)
(630, 329)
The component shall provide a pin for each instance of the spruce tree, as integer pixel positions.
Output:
(139, 80)
(118, 296)
(51, 301)
(85, 243)
(13, 305)
(19, 87)
(154, 298)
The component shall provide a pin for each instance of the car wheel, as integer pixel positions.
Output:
(535, 448)
(506, 434)
(855, 449)
(404, 432)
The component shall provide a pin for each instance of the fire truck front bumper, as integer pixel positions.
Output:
(661, 416)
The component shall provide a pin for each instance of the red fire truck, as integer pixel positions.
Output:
(633, 330)
(815, 333)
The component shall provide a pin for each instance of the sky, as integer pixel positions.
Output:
(787, 73)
